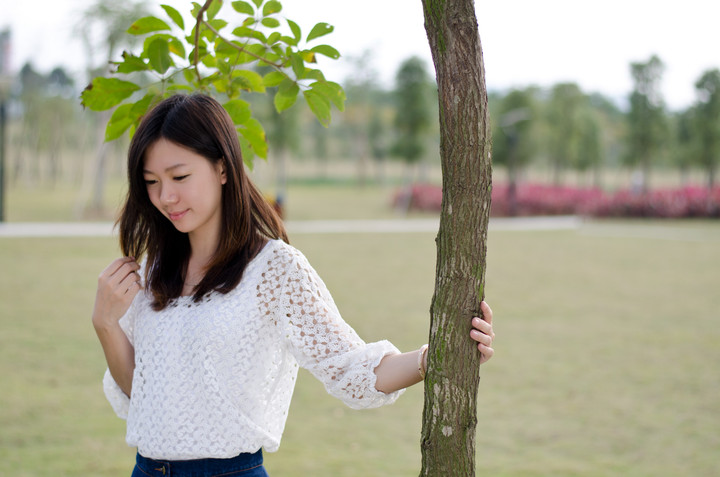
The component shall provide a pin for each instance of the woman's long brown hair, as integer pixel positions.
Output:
(200, 124)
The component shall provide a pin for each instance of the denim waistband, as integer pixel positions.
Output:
(199, 467)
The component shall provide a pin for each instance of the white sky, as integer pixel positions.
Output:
(524, 41)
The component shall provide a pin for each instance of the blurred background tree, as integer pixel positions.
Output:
(513, 143)
(647, 121)
(564, 110)
(103, 29)
(413, 95)
(364, 100)
(707, 121)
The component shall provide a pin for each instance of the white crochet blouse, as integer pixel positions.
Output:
(215, 378)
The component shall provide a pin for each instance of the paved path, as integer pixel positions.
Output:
(105, 229)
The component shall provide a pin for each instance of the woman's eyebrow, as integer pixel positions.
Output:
(168, 169)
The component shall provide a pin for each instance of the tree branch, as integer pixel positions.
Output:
(198, 22)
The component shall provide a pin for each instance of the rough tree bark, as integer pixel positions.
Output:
(451, 385)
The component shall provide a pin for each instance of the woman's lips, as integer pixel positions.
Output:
(176, 215)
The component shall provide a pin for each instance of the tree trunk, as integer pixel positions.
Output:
(451, 384)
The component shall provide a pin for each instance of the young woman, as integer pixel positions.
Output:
(204, 336)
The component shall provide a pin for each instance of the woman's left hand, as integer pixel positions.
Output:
(482, 332)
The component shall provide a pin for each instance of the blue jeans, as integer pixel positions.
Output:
(244, 465)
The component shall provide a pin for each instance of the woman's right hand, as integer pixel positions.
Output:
(117, 286)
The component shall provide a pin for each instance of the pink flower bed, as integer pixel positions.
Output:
(539, 199)
(422, 197)
(667, 203)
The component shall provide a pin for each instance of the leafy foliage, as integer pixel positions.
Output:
(222, 64)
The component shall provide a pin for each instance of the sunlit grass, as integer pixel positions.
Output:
(606, 362)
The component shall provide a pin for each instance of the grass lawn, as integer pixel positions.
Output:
(606, 357)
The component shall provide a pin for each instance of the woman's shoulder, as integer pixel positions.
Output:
(279, 253)
(280, 249)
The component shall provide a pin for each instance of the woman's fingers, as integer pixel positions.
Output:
(487, 312)
(483, 333)
(131, 281)
(481, 337)
(117, 286)
(486, 353)
(119, 275)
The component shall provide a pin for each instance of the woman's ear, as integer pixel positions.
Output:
(222, 172)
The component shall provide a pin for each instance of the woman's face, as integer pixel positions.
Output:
(185, 187)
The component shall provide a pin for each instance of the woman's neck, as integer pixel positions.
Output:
(202, 250)
(203, 246)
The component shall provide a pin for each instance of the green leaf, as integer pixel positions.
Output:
(139, 108)
(278, 50)
(131, 63)
(319, 30)
(286, 95)
(255, 126)
(257, 3)
(213, 9)
(159, 55)
(274, 37)
(326, 50)
(177, 48)
(270, 22)
(201, 50)
(272, 59)
(295, 29)
(128, 115)
(174, 16)
(218, 24)
(274, 78)
(243, 7)
(319, 105)
(167, 38)
(254, 134)
(315, 74)
(331, 91)
(249, 81)
(223, 67)
(147, 25)
(209, 61)
(298, 65)
(180, 87)
(220, 85)
(245, 32)
(307, 56)
(247, 153)
(238, 110)
(119, 122)
(271, 7)
(288, 40)
(104, 93)
(257, 50)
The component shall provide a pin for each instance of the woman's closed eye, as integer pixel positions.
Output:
(181, 178)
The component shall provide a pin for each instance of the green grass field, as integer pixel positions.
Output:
(607, 352)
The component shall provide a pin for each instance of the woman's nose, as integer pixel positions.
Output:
(168, 194)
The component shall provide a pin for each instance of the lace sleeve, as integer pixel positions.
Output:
(326, 345)
(119, 401)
